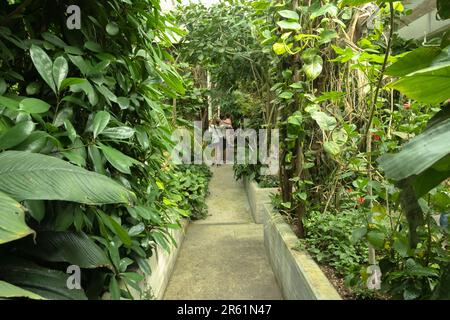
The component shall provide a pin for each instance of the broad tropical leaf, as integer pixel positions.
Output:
(16, 135)
(419, 154)
(67, 246)
(12, 220)
(31, 176)
(47, 283)
(324, 121)
(429, 85)
(416, 60)
(8, 290)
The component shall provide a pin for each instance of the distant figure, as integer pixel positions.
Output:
(216, 140)
(229, 138)
(227, 122)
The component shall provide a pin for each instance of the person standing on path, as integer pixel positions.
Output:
(229, 138)
(216, 140)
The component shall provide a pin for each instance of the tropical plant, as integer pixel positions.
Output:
(84, 140)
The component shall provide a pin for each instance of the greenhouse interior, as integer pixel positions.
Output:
(241, 150)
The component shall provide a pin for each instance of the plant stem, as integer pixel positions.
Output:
(380, 80)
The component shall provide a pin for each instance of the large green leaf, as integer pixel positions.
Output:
(429, 85)
(36, 208)
(117, 159)
(324, 121)
(419, 154)
(60, 70)
(16, 135)
(67, 246)
(43, 64)
(289, 14)
(430, 178)
(118, 132)
(289, 25)
(313, 63)
(35, 142)
(376, 238)
(313, 68)
(96, 158)
(416, 60)
(9, 103)
(8, 290)
(33, 105)
(100, 122)
(85, 86)
(332, 147)
(47, 283)
(328, 8)
(115, 227)
(12, 220)
(31, 176)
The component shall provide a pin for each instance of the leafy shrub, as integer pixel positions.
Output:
(193, 183)
(329, 240)
(84, 142)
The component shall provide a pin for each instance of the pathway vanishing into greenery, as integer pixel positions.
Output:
(223, 256)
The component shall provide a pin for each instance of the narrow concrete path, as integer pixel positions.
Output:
(223, 256)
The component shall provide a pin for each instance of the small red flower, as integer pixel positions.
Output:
(349, 190)
(361, 200)
(406, 106)
(376, 137)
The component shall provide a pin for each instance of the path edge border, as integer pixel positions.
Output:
(257, 198)
(297, 274)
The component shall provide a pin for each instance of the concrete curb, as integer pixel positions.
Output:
(257, 197)
(162, 263)
(297, 274)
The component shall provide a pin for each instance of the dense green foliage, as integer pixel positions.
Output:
(84, 147)
(363, 129)
(193, 184)
(86, 118)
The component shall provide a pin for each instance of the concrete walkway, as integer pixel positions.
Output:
(223, 256)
